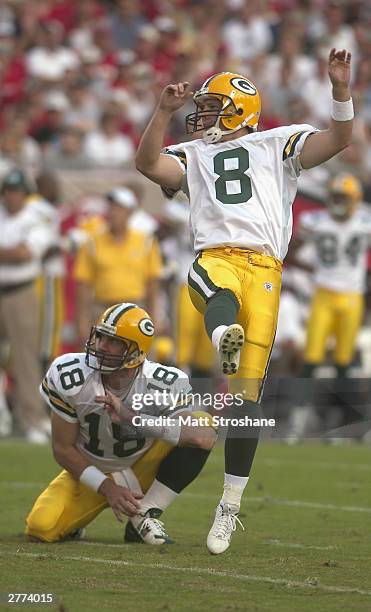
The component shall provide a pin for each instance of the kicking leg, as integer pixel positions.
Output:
(259, 317)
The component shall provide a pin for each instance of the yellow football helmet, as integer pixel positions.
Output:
(345, 193)
(240, 106)
(129, 324)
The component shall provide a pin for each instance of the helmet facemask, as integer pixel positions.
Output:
(344, 196)
(341, 206)
(130, 356)
(194, 121)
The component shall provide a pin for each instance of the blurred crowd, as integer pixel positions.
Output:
(79, 82)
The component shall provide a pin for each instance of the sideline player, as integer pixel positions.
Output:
(105, 465)
(241, 185)
(341, 238)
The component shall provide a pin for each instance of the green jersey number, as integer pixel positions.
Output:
(238, 173)
(121, 448)
(327, 246)
(72, 378)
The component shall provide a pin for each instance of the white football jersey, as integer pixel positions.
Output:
(182, 253)
(340, 249)
(241, 191)
(53, 266)
(24, 227)
(70, 388)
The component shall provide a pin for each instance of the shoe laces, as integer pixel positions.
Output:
(227, 523)
(154, 525)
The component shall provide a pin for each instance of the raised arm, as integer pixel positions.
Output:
(323, 145)
(162, 169)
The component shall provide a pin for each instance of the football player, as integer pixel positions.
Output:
(241, 185)
(103, 463)
(341, 237)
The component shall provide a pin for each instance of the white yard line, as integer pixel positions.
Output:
(310, 584)
(296, 545)
(84, 543)
(297, 503)
(269, 542)
(331, 465)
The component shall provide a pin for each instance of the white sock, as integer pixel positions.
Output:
(157, 496)
(234, 487)
(217, 334)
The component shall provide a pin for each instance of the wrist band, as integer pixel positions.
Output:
(92, 477)
(342, 111)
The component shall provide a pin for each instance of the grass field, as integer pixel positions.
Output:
(306, 546)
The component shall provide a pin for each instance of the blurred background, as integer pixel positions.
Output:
(79, 82)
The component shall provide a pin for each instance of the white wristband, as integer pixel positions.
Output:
(92, 477)
(342, 111)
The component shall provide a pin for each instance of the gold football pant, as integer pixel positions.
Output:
(194, 347)
(333, 314)
(67, 504)
(255, 280)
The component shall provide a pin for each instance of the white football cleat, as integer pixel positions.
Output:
(230, 346)
(147, 528)
(224, 525)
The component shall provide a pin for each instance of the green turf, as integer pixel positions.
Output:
(284, 560)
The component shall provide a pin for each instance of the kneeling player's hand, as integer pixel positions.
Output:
(121, 499)
(115, 408)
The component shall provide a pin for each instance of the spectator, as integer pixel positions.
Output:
(126, 22)
(125, 60)
(140, 97)
(289, 56)
(247, 34)
(318, 88)
(19, 149)
(50, 60)
(334, 31)
(69, 154)
(51, 125)
(84, 110)
(107, 147)
(88, 12)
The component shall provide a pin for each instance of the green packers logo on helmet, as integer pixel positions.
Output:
(146, 327)
(244, 85)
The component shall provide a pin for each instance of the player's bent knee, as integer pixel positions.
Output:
(204, 436)
(43, 523)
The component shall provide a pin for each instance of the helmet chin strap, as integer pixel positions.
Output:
(214, 133)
